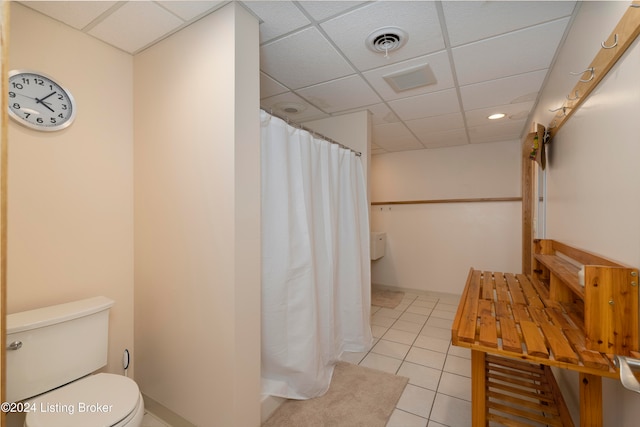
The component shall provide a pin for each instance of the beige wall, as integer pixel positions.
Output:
(197, 215)
(593, 196)
(432, 246)
(70, 233)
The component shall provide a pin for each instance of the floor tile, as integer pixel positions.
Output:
(432, 331)
(425, 304)
(420, 375)
(378, 331)
(454, 350)
(455, 386)
(413, 317)
(451, 308)
(425, 311)
(431, 343)
(435, 424)
(440, 323)
(397, 335)
(389, 312)
(353, 357)
(441, 314)
(425, 357)
(403, 325)
(381, 363)
(399, 418)
(391, 349)
(458, 365)
(416, 400)
(451, 411)
(379, 320)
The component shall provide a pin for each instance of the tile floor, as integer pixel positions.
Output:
(414, 340)
(151, 420)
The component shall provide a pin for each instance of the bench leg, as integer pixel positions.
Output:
(478, 389)
(590, 400)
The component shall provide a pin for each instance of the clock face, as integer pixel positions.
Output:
(38, 102)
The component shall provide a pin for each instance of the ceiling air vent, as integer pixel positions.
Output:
(385, 40)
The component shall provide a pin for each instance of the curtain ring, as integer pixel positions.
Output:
(593, 74)
(615, 43)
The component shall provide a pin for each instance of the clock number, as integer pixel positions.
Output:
(38, 81)
(25, 80)
(60, 97)
(26, 115)
(52, 120)
(16, 106)
(61, 116)
(64, 106)
(39, 120)
(17, 85)
(12, 94)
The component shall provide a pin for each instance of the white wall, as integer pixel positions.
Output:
(593, 196)
(197, 220)
(432, 246)
(70, 214)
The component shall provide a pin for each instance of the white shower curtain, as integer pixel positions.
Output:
(316, 288)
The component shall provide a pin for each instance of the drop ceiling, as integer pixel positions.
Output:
(486, 56)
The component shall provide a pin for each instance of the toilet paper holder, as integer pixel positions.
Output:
(627, 365)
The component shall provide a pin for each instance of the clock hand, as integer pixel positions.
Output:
(45, 103)
(40, 101)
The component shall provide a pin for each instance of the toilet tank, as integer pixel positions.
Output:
(52, 346)
(377, 242)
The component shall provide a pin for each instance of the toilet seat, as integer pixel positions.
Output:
(101, 400)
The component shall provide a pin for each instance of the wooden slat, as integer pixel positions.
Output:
(479, 387)
(487, 285)
(488, 331)
(508, 422)
(533, 299)
(502, 290)
(514, 287)
(468, 320)
(566, 271)
(592, 359)
(439, 201)
(563, 411)
(551, 421)
(562, 351)
(509, 335)
(533, 339)
(526, 393)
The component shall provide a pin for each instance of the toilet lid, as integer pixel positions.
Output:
(99, 400)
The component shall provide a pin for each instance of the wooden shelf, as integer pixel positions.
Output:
(566, 271)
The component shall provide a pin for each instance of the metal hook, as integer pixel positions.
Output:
(573, 99)
(615, 43)
(593, 74)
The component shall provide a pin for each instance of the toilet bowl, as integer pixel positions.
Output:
(52, 356)
(101, 400)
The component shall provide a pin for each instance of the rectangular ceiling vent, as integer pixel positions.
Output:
(411, 78)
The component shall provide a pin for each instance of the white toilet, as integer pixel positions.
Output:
(51, 354)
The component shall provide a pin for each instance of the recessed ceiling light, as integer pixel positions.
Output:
(411, 78)
(496, 116)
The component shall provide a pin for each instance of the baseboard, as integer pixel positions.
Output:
(164, 413)
(268, 405)
(412, 291)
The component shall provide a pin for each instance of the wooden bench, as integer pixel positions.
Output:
(553, 318)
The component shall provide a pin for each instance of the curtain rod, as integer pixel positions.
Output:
(311, 131)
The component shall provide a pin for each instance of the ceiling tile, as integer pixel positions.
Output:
(506, 131)
(303, 59)
(419, 19)
(135, 25)
(494, 58)
(276, 105)
(341, 94)
(278, 18)
(436, 124)
(449, 138)
(395, 137)
(76, 14)
(427, 105)
(469, 21)
(438, 62)
(270, 87)
(523, 87)
(188, 10)
(321, 10)
(479, 117)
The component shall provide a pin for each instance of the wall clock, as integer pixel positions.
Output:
(39, 102)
